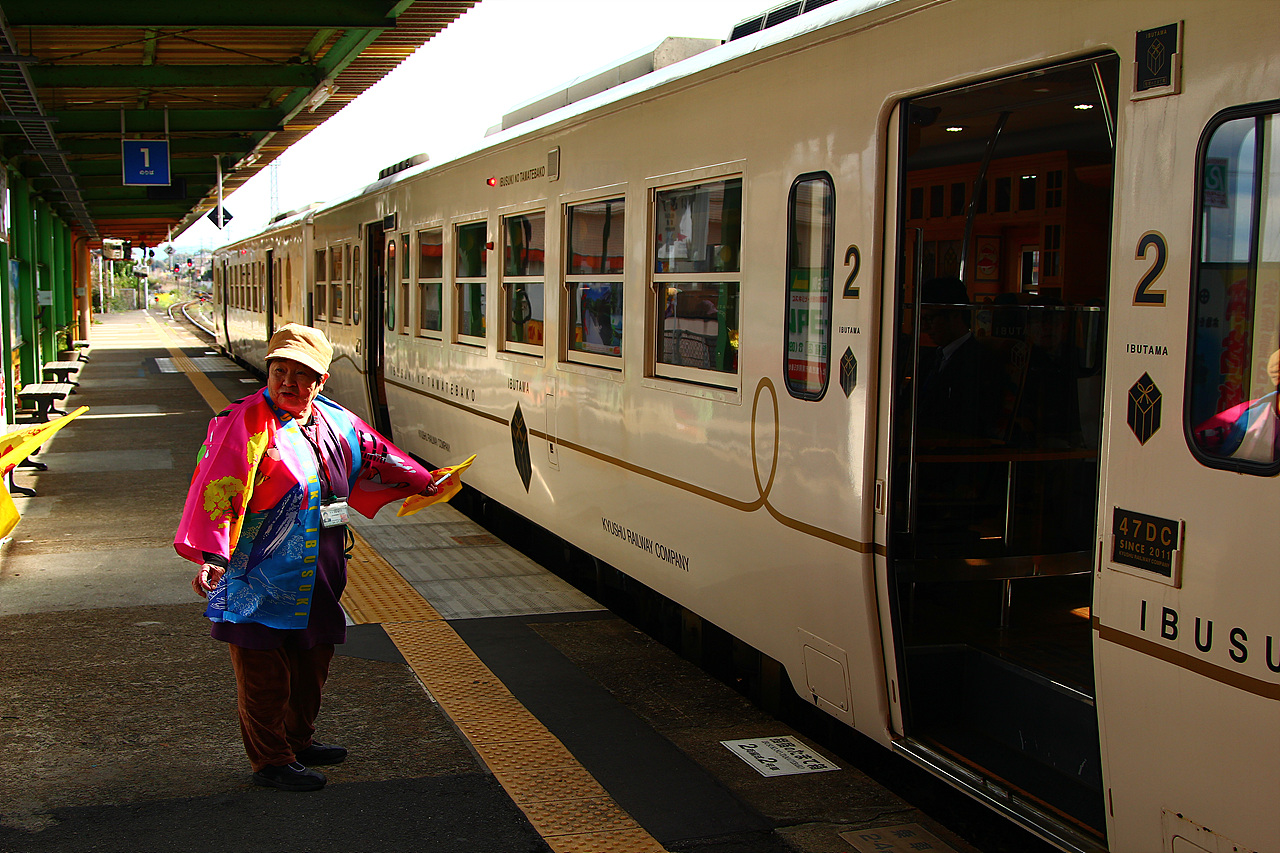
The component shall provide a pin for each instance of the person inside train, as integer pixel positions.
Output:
(276, 468)
(957, 383)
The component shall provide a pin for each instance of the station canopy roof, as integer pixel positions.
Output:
(233, 82)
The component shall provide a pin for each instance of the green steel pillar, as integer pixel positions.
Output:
(23, 250)
(47, 270)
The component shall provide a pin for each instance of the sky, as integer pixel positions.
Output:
(506, 51)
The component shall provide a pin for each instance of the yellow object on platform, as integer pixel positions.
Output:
(17, 446)
(413, 503)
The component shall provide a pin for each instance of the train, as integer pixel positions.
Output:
(925, 347)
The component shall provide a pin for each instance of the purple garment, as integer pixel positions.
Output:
(327, 623)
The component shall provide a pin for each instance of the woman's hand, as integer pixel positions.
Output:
(206, 579)
(429, 490)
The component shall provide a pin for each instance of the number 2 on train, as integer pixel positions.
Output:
(852, 253)
(1144, 295)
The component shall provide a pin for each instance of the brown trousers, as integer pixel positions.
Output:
(278, 693)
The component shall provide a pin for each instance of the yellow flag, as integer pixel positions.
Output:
(15, 447)
(447, 489)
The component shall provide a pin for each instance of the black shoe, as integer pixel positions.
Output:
(289, 777)
(320, 753)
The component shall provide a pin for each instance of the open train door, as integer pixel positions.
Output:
(998, 254)
(379, 256)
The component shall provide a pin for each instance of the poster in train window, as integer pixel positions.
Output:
(697, 237)
(1236, 341)
(596, 312)
(594, 269)
(810, 264)
(523, 265)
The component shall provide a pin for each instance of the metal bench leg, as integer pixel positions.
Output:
(15, 489)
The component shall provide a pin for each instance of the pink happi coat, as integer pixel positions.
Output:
(255, 499)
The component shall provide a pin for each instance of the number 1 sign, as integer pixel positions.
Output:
(146, 162)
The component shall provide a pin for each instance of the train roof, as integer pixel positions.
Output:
(742, 45)
(739, 45)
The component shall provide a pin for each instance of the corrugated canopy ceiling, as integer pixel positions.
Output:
(239, 80)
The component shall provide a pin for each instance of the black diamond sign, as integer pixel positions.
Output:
(1144, 408)
(520, 443)
(848, 372)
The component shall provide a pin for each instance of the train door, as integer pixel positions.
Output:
(377, 263)
(271, 299)
(224, 296)
(998, 324)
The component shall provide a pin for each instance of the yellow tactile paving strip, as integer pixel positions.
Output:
(376, 592)
(565, 804)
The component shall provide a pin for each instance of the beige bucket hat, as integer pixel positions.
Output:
(302, 344)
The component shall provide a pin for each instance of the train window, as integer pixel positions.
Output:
(430, 282)
(320, 305)
(524, 243)
(471, 267)
(697, 234)
(357, 291)
(406, 272)
(593, 279)
(389, 296)
(1235, 362)
(335, 265)
(277, 288)
(810, 268)
(337, 273)
(348, 274)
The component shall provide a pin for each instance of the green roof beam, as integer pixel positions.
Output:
(173, 76)
(313, 14)
(180, 121)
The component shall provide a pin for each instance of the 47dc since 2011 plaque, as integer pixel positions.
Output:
(1147, 542)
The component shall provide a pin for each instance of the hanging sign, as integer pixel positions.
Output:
(146, 162)
(213, 217)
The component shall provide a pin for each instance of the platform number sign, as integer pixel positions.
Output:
(146, 162)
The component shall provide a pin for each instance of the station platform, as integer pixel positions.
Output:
(487, 705)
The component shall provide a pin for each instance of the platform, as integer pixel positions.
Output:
(487, 704)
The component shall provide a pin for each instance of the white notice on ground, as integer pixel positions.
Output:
(778, 756)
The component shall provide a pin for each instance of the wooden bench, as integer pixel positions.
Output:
(43, 395)
(62, 371)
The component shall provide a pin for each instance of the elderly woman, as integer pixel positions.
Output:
(266, 520)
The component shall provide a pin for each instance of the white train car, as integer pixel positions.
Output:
(260, 284)
(925, 347)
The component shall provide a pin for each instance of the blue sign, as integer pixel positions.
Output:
(146, 162)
